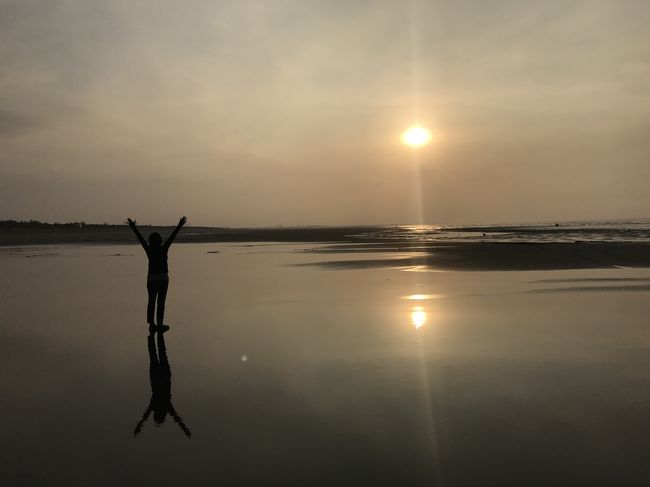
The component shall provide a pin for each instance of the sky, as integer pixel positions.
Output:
(289, 112)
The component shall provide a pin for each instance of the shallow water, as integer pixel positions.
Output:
(628, 230)
(296, 375)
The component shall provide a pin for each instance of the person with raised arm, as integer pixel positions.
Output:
(160, 376)
(158, 273)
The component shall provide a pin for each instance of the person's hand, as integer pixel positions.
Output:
(130, 222)
(182, 221)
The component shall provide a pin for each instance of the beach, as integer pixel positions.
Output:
(478, 252)
(325, 244)
(479, 248)
(299, 363)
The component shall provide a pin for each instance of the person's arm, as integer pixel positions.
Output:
(171, 238)
(179, 421)
(137, 233)
(145, 416)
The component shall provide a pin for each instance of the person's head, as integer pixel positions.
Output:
(155, 240)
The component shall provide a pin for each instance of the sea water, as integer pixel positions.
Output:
(285, 374)
(630, 230)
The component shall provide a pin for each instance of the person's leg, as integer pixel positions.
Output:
(162, 354)
(162, 296)
(151, 304)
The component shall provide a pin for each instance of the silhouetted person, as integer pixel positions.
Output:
(158, 274)
(160, 376)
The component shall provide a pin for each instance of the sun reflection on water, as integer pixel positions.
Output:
(418, 317)
(421, 297)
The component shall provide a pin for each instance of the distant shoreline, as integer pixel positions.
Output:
(472, 255)
(121, 234)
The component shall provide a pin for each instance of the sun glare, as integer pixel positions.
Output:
(418, 317)
(416, 136)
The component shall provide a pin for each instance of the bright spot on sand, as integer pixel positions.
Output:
(244, 358)
(416, 136)
(418, 317)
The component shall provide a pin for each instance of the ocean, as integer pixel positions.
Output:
(625, 230)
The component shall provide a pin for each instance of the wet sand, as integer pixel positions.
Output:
(479, 256)
(475, 255)
(289, 374)
(116, 234)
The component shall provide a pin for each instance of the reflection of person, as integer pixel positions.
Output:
(160, 375)
(158, 274)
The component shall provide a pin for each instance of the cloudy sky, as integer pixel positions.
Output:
(271, 112)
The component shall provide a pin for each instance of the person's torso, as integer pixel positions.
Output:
(157, 260)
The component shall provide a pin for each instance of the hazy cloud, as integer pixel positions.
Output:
(258, 112)
(14, 123)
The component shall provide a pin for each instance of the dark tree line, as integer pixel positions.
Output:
(35, 224)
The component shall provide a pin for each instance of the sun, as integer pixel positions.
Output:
(416, 136)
